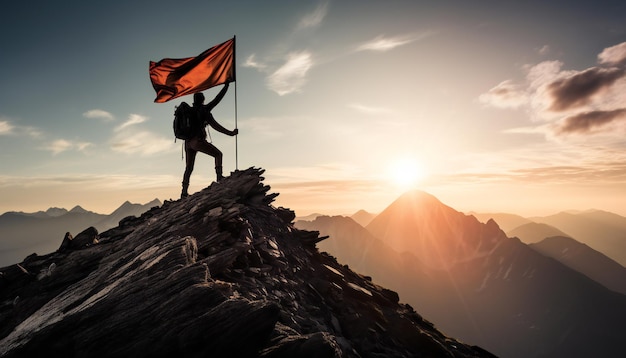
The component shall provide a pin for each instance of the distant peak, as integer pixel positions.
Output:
(56, 211)
(78, 209)
(154, 202)
(419, 196)
(416, 193)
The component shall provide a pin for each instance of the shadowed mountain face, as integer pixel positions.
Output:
(478, 285)
(21, 234)
(534, 232)
(221, 273)
(586, 260)
(605, 232)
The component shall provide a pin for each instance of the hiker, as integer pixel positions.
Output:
(199, 143)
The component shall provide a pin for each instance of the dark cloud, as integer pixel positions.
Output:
(578, 90)
(587, 121)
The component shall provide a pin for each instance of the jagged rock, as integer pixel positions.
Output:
(220, 273)
(84, 239)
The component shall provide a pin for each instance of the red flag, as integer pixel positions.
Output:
(172, 78)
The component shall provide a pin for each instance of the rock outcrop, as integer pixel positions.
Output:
(222, 273)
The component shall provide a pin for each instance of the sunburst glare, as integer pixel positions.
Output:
(406, 173)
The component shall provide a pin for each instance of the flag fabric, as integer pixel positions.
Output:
(172, 78)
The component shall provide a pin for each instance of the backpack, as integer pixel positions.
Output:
(185, 122)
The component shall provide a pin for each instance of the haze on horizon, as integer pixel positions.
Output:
(515, 108)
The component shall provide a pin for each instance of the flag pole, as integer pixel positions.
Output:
(235, 77)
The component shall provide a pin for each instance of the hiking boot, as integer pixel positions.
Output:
(184, 193)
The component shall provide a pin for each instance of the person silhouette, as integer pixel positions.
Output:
(198, 143)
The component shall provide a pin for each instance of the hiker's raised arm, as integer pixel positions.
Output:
(219, 97)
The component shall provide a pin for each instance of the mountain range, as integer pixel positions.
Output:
(601, 230)
(478, 284)
(221, 273)
(526, 288)
(22, 234)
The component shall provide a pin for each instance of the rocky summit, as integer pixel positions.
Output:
(222, 273)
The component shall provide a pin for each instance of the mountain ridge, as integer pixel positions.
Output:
(584, 259)
(220, 273)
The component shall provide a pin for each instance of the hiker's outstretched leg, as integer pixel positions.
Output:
(208, 148)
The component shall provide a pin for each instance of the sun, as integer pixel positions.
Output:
(406, 173)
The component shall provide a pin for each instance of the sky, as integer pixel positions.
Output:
(491, 106)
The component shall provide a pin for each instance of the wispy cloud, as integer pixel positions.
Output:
(251, 62)
(90, 182)
(99, 113)
(132, 120)
(314, 18)
(62, 145)
(382, 43)
(6, 128)
(129, 138)
(505, 95)
(265, 128)
(291, 76)
(585, 102)
(614, 55)
(140, 142)
(369, 109)
(544, 129)
(543, 50)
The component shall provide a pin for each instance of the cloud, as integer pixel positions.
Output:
(579, 89)
(614, 55)
(314, 18)
(369, 109)
(128, 138)
(505, 95)
(585, 102)
(132, 120)
(264, 128)
(62, 145)
(6, 128)
(544, 50)
(588, 121)
(90, 182)
(252, 63)
(98, 113)
(542, 129)
(291, 76)
(593, 172)
(140, 142)
(382, 43)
